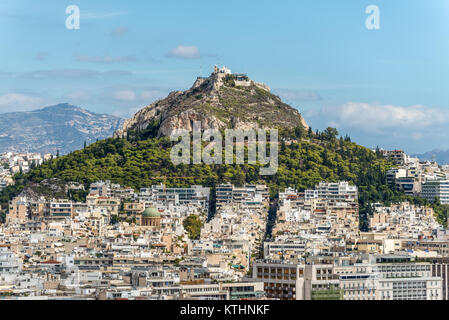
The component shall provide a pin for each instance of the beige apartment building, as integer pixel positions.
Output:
(18, 211)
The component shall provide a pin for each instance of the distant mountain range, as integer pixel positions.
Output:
(440, 156)
(62, 127)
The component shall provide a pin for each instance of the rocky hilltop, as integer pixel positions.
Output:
(62, 127)
(222, 100)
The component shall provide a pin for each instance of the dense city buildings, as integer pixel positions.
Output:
(12, 163)
(199, 242)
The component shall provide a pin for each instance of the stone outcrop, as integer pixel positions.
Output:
(222, 100)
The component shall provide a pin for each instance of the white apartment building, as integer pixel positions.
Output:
(9, 263)
(248, 194)
(290, 248)
(390, 278)
(3, 184)
(436, 189)
(398, 157)
(336, 190)
(176, 196)
(291, 281)
(381, 277)
(282, 280)
(218, 291)
(395, 173)
(61, 209)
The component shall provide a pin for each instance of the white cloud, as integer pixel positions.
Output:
(124, 95)
(20, 102)
(415, 128)
(364, 115)
(184, 52)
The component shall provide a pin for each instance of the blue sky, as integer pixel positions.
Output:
(386, 87)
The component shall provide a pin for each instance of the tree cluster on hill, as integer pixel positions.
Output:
(305, 159)
(192, 224)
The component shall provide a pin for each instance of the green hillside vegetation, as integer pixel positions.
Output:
(141, 160)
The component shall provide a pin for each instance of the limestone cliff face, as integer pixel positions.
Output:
(222, 100)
